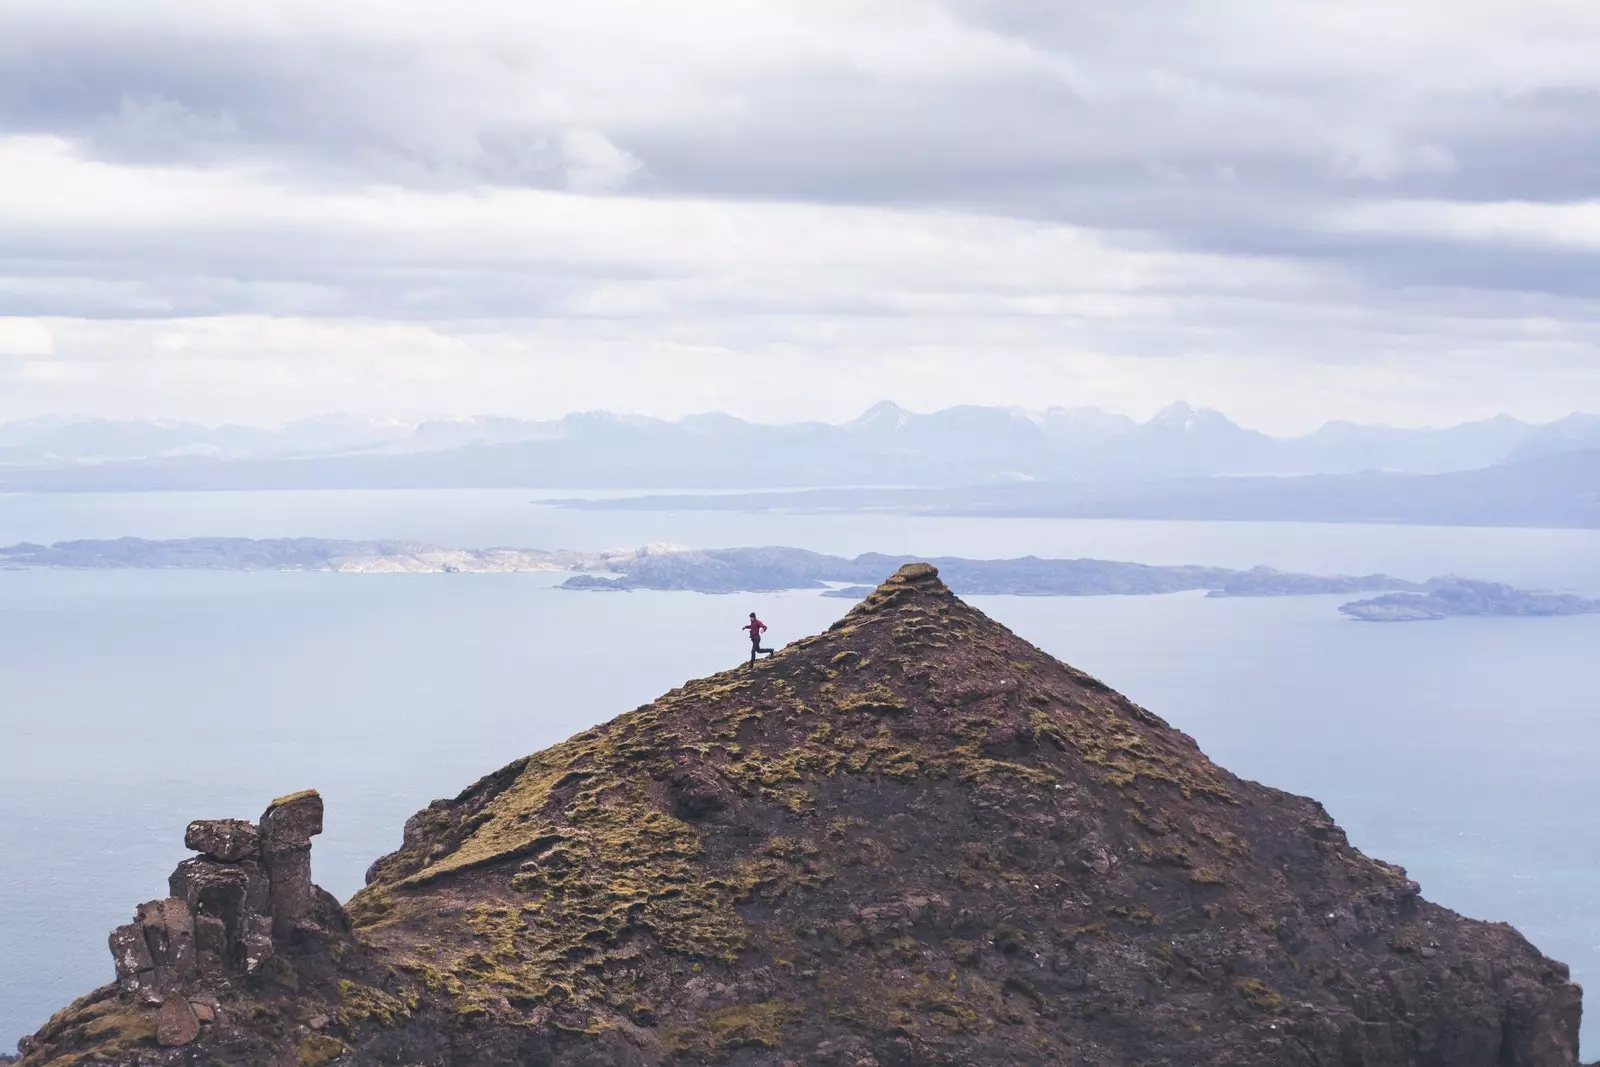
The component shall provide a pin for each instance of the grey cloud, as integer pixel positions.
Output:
(1169, 118)
(1117, 98)
(1210, 126)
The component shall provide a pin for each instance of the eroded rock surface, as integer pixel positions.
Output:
(211, 942)
(224, 840)
(911, 841)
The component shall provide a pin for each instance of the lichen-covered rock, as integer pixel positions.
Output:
(227, 840)
(130, 957)
(255, 945)
(911, 841)
(169, 932)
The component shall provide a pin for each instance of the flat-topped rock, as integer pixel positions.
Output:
(227, 840)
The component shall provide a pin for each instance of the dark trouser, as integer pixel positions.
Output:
(755, 646)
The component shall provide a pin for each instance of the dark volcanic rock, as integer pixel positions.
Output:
(287, 827)
(169, 932)
(292, 821)
(130, 958)
(228, 840)
(912, 841)
(230, 901)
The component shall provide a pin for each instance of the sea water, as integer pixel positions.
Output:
(134, 701)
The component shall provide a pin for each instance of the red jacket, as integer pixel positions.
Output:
(756, 628)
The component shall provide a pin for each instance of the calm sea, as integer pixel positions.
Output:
(132, 702)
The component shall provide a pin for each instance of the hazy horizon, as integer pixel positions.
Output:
(70, 417)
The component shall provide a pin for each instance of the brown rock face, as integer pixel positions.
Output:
(286, 831)
(130, 955)
(176, 1024)
(230, 902)
(912, 841)
(227, 840)
(156, 952)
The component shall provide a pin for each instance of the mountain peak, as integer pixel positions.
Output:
(911, 580)
(1183, 416)
(885, 414)
(913, 839)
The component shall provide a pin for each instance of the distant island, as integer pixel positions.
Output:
(1444, 597)
(773, 569)
(738, 570)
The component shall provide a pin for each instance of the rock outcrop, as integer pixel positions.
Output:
(230, 909)
(911, 841)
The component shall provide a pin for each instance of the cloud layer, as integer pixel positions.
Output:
(1292, 212)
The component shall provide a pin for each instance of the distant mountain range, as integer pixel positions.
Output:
(887, 445)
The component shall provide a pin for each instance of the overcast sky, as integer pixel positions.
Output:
(1292, 210)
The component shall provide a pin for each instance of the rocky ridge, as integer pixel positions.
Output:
(911, 841)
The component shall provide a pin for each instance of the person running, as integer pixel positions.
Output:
(756, 628)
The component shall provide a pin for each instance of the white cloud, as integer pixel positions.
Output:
(593, 163)
(1571, 226)
(1292, 211)
(25, 337)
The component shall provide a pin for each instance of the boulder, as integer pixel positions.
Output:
(176, 1024)
(228, 840)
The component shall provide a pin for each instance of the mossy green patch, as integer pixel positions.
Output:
(367, 1004)
(290, 798)
(317, 1050)
(369, 906)
(1122, 753)
(715, 1036)
(1260, 996)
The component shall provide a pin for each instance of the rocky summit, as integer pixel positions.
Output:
(914, 839)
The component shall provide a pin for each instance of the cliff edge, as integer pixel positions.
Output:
(914, 840)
